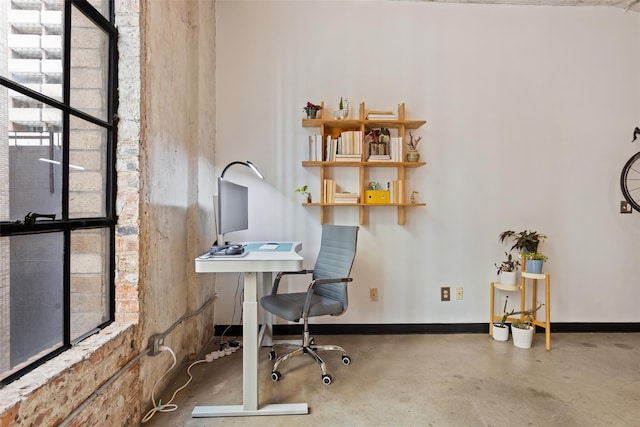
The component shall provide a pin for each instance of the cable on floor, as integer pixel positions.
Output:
(170, 406)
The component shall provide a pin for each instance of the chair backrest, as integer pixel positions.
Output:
(335, 259)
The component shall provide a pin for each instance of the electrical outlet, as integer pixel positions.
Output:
(458, 293)
(625, 207)
(445, 294)
(373, 294)
(155, 341)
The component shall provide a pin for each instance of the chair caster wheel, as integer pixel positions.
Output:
(275, 376)
(346, 360)
(326, 379)
(272, 355)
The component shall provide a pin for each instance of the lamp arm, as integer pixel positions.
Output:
(247, 164)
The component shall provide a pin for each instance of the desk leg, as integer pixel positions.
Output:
(250, 367)
(250, 343)
(266, 332)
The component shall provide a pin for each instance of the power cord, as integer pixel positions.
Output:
(233, 314)
(169, 406)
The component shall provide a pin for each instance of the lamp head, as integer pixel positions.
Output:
(247, 164)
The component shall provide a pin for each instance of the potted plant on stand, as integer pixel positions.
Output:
(507, 270)
(534, 261)
(526, 242)
(501, 330)
(522, 329)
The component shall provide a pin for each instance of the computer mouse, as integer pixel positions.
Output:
(234, 250)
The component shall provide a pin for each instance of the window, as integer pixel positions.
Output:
(58, 76)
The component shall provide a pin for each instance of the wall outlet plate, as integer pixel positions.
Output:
(445, 293)
(625, 207)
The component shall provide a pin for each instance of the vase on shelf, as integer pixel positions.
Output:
(341, 114)
(311, 114)
(534, 266)
(413, 156)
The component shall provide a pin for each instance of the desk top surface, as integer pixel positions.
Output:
(283, 258)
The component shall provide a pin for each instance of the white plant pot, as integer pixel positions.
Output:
(500, 333)
(508, 277)
(522, 338)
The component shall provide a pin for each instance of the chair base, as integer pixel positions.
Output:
(308, 347)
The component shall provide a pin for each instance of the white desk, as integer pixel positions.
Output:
(256, 261)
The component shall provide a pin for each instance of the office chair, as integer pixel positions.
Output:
(326, 294)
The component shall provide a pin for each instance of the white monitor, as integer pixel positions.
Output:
(233, 207)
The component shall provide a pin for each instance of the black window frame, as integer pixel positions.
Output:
(64, 224)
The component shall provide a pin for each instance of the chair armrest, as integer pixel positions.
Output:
(314, 284)
(276, 282)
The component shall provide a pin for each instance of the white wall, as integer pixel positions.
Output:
(514, 96)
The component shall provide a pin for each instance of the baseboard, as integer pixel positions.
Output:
(426, 328)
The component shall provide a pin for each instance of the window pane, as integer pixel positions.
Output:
(89, 66)
(89, 280)
(31, 281)
(30, 157)
(87, 169)
(101, 6)
(34, 44)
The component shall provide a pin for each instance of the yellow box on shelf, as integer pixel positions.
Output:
(376, 196)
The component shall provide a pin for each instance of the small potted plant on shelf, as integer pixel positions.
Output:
(304, 190)
(343, 109)
(526, 243)
(311, 110)
(412, 154)
(507, 270)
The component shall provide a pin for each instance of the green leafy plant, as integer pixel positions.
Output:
(523, 241)
(527, 318)
(534, 256)
(510, 264)
(522, 323)
(304, 190)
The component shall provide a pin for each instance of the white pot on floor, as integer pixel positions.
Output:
(500, 333)
(522, 338)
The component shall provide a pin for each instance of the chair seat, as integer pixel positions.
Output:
(290, 306)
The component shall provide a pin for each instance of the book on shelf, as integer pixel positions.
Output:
(396, 148)
(348, 143)
(329, 189)
(379, 158)
(381, 115)
(315, 148)
(348, 157)
(396, 191)
(332, 195)
(345, 198)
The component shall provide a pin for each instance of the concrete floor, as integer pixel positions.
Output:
(433, 380)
